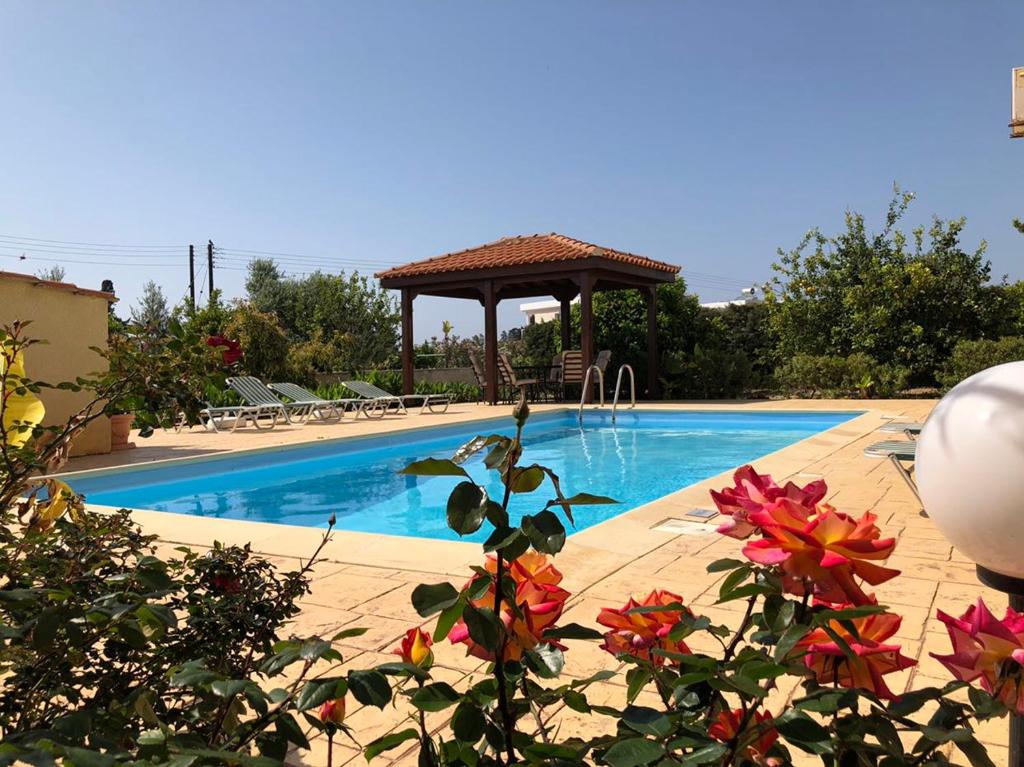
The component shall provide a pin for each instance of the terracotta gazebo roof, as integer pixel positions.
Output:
(526, 250)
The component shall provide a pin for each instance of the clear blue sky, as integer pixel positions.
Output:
(706, 134)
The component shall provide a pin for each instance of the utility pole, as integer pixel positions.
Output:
(192, 275)
(209, 266)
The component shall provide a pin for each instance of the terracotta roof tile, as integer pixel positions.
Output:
(518, 251)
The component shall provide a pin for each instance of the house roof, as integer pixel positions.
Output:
(65, 286)
(521, 251)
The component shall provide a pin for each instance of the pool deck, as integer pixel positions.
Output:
(366, 579)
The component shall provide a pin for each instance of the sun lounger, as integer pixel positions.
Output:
(910, 429)
(320, 408)
(214, 418)
(256, 394)
(378, 398)
(899, 453)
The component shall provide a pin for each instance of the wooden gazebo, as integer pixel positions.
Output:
(532, 265)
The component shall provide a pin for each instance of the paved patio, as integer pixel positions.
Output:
(366, 580)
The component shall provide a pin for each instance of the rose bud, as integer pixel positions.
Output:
(415, 648)
(333, 711)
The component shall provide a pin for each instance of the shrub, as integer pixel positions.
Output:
(708, 373)
(264, 343)
(970, 357)
(808, 375)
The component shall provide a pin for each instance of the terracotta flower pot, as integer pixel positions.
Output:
(120, 430)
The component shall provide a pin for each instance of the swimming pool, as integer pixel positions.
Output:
(646, 455)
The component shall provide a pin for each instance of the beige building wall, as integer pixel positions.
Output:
(70, 319)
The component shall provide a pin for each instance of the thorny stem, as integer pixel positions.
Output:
(744, 624)
(499, 659)
(535, 710)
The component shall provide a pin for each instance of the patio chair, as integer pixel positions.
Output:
(376, 398)
(553, 382)
(525, 386)
(322, 409)
(572, 369)
(256, 394)
(899, 453)
(910, 429)
(478, 374)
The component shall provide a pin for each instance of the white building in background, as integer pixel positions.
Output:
(543, 311)
(746, 296)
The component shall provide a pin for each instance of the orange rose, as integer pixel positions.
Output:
(333, 711)
(824, 551)
(415, 648)
(757, 737)
(639, 633)
(539, 600)
(872, 658)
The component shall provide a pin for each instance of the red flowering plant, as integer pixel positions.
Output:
(811, 666)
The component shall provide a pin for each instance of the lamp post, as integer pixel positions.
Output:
(970, 474)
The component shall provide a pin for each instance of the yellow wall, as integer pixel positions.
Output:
(70, 322)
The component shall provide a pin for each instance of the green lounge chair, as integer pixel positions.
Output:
(899, 453)
(214, 417)
(910, 429)
(256, 394)
(320, 408)
(376, 397)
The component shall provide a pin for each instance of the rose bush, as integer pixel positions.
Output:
(806, 667)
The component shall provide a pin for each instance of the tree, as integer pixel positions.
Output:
(356, 320)
(53, 273)
(151, 311)
(446, 329)
(264, 342)
(905, 301)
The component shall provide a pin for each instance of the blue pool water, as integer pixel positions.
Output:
(646, 455)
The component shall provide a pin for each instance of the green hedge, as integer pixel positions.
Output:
(970, 357)
(808, 375)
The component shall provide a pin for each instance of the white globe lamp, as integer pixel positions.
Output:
(970, 469)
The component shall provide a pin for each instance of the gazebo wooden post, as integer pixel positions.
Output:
(408, 376)
(491, 341)
(653, 376)
(587, 326)
(566, 321)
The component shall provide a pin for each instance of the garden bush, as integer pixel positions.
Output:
(970, 357)
(859, 375)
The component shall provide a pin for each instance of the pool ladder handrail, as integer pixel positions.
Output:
(618, 389)
(586, 383)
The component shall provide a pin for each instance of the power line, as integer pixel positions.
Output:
(91, 244)
(26, 259)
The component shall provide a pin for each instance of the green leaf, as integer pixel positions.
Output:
(468, 722)
(314, 649)
(349, 633)
(803, 732)
(228, 688)
(527, 480)
(633, 752)
(647, 721)
(370, 687)
(483, 626)
(572, 631)
(434, 467)
(447, 619)
(709, 753)
(636, 679)
(545, 531)
(319, 691)
(387, 742)
(788, 640)
(289, 729)
(430, 599)
(435, 697)
(975, 752)
(546, 660)
(586, 499)
(721, 565)
(501, 537)
(467, 506)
